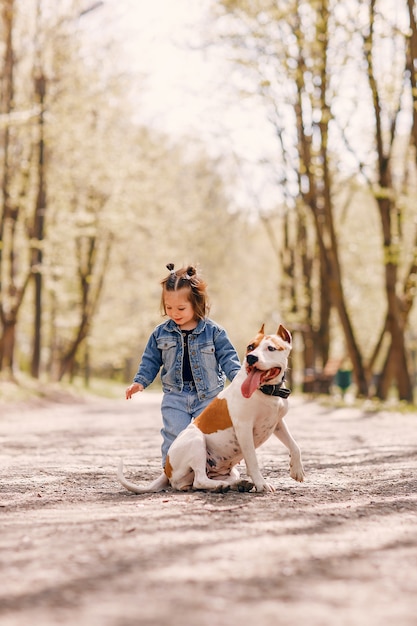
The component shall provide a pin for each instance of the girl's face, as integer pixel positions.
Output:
(179, 308)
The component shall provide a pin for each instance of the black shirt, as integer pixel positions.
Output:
(187, 375)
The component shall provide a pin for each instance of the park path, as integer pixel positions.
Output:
(77, 550)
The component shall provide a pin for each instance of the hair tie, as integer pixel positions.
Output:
(170, 267)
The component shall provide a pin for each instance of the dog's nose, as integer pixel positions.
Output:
(251, 359)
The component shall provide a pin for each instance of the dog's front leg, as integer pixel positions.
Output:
(244, 435)
(296, 464)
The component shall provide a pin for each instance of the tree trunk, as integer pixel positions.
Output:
(396, 364)
(412, 68)
(38, 230)
(7, 344)
(317, 193)
(90, 294)
(6, 105)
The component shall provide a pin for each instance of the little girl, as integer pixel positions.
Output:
(194, 352)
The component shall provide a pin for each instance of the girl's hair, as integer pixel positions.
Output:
(187, 278)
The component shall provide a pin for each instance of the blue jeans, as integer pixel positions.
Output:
(178, 410)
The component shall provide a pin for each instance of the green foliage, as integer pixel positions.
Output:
(122, 200)
(338, 80)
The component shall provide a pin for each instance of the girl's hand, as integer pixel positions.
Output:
(134, 388)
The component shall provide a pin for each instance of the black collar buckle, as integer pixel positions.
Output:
(275, 390)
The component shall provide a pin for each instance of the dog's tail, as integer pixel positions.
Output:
(157, 485)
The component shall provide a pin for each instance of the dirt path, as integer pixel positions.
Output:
(77, 550)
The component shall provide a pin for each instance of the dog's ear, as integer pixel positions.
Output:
(284, 334)
(261, 331)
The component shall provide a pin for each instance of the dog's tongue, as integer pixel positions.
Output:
(251, 383)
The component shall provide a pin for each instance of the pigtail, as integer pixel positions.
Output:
(190, 272)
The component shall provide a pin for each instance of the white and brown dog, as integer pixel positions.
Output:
(241, 418)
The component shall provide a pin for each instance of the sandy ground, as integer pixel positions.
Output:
(76, 549)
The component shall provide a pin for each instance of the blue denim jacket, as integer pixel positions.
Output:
(212, 358)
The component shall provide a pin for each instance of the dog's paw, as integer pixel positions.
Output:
(265, 488)
(297, 472)
(221, 488)
(243, 485)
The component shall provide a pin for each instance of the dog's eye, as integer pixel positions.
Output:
(250, 347)
(271, 348)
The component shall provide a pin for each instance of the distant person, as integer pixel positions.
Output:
(194, 352)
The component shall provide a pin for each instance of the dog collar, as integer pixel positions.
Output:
(275, 390)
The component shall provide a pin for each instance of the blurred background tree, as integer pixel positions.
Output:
(338, 79)
(94, 204)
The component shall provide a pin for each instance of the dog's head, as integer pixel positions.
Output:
(266, 360)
